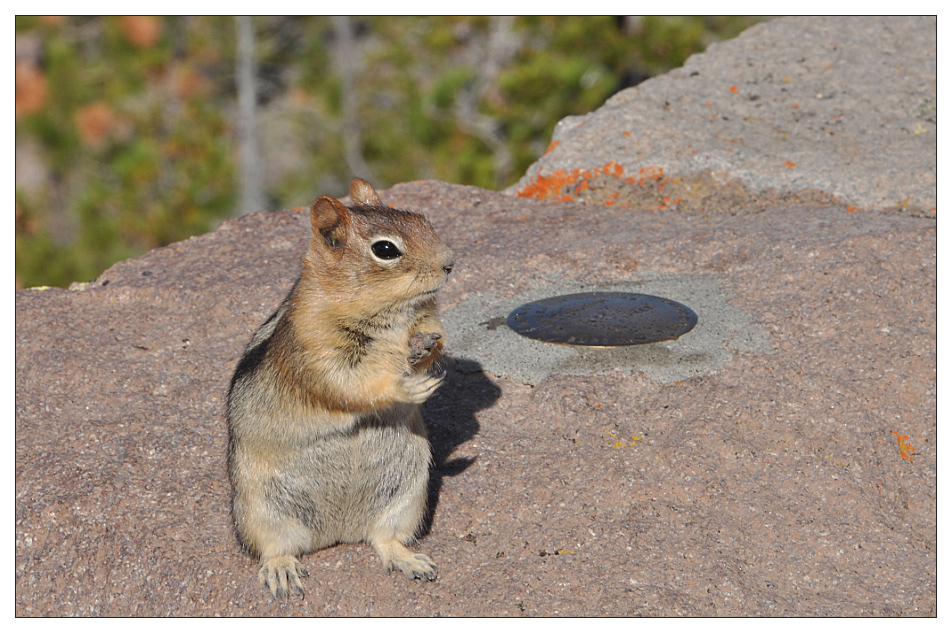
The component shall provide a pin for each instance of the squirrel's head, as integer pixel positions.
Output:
(370, 253)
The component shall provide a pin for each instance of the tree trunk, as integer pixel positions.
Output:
(347, 67)
(251, 194)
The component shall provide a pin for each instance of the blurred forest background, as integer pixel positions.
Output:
(135, 132)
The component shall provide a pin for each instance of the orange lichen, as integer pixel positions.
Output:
(551, 185)
(788, 164)
(551, 147)
(905, 448)
(732, 90)
(851, 208)
(647, 173)
(567, 186)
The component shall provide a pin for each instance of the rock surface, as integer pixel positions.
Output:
(791, 472)
(804, 109)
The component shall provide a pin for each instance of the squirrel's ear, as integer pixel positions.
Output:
(329, 221)
(361, 192)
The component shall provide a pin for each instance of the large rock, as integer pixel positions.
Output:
(801, 109)
(780, 462)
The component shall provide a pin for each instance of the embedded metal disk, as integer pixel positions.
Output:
(602, 319)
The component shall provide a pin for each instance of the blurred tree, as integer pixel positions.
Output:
(128, 128)
(251, 197)
(129, 150)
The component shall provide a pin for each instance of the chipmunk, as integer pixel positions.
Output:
(326, 440)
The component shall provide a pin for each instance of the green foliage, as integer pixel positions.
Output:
(136, 138)
(149, 165)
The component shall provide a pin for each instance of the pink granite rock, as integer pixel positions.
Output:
(780, 459)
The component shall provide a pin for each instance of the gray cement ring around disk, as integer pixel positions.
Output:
(478, 337)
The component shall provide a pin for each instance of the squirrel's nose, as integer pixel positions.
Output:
(449, 260)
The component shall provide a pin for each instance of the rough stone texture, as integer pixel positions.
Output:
(793, 478)
(803, 106)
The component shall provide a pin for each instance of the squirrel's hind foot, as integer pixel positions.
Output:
(398, 557)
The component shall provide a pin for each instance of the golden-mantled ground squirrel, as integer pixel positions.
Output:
(326, 441)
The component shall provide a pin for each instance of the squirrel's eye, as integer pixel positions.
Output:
(385, 249)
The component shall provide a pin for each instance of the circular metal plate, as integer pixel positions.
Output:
(602, 319)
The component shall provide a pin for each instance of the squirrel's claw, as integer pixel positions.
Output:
(420, 345)
(281, 574)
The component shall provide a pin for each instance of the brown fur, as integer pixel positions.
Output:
(326, 441)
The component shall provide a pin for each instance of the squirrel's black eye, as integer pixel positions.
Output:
(385, 249)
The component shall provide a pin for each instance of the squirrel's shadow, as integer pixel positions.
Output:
(450, 417)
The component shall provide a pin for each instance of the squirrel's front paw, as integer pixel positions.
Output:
(419, 387)
(281, 574)
(421, 344)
